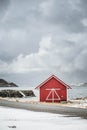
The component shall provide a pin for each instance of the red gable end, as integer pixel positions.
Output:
(53, 76)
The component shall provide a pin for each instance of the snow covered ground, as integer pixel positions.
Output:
(18, 119)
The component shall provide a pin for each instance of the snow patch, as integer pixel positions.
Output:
(24, 119)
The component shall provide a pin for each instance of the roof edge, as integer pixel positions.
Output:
(53, 76)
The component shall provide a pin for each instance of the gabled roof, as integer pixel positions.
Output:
(53, 76)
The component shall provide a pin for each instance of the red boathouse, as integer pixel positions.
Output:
(53, 90)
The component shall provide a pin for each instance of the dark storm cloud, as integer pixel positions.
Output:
(18, 28)
(68, 14)
(21, 13)
(83, 6)
(3, 7)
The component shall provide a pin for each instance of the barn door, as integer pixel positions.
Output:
(53, 95)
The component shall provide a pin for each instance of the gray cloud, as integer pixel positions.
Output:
(43, 37)
(20, 13)
(68, 14)
(19, 29)
(3, 7)
(64, 58)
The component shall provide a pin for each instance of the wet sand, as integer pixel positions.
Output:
(39, 107)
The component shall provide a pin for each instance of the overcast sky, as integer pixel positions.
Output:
(43, 37)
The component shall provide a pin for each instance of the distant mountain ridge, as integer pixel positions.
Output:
(4, 83)
(83, 84)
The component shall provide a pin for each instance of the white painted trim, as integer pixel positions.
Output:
(53, 92)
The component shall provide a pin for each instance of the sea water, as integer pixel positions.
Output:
(77, 92)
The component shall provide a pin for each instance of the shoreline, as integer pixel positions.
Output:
(78, 103)
(46, 107)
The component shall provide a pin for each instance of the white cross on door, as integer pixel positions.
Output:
(52, 91)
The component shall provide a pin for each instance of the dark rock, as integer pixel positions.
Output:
(16, 93)
(10, 93)
(13, 84)
(84, 84)
(28, 93)
(79, 98)
(12, 126)
(4, 83)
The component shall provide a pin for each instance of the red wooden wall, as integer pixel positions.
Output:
(46, 91)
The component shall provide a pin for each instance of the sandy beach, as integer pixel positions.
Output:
(46, 107)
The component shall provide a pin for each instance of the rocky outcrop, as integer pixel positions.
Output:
(4, 83)
(12, 84)
(28, 93)
(81, 98)
(17, 93)
(84, 84)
